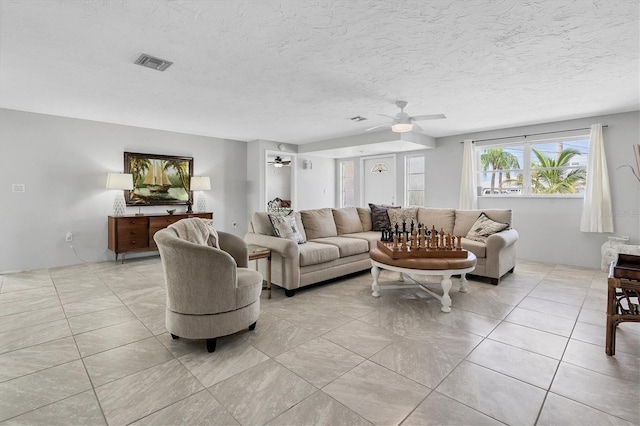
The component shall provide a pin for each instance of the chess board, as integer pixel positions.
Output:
(408, 253)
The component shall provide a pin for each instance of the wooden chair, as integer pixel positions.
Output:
(622, 306)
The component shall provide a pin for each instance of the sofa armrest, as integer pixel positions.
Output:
(500, 240)
(281, 246)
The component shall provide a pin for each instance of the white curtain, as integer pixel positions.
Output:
(468, 190)
(596, 212)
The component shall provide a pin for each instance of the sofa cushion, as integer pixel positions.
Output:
(379, 216)
(483, 227)
(371, 237)
(439, 218)
(466, 218)
(285, 226)
(346, 246)
(347, 220)
(365, 218)
(397, 216)
(318, 223)
(313, 253)
(475, 247)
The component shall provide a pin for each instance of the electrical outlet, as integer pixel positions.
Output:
(69, 237)
(234, 224)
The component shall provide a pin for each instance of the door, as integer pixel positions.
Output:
(379, 180)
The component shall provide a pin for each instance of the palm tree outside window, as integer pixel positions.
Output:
(542, 168)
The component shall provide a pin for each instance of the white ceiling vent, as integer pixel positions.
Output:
(153, 62)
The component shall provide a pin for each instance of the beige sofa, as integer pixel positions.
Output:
(339, 240)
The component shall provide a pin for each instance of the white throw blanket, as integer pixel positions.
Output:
(196, 230)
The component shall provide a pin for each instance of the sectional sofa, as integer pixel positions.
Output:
(338, 243)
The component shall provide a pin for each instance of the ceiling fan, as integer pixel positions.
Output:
(278, 162)
(402, 122)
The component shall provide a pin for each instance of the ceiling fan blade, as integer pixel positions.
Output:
(428, 117)
(388, 116)
(377, 127)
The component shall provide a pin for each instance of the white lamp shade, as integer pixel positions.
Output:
(200, 183)
(120, 181)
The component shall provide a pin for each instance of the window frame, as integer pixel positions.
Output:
(343, 163)
(526, 190)
(407, 175)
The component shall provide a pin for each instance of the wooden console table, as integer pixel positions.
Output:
(134, 233)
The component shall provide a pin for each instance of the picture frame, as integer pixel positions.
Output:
(158, 179)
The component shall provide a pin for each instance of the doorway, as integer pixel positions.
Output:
(378, 177)
(279, 180)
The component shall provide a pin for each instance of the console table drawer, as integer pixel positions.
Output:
(132, 222)
(135, 233)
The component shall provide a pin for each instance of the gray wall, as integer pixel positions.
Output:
(64, 164)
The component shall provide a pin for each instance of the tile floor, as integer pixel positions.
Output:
(87, 345)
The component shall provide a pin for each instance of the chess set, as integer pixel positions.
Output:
(420, 242)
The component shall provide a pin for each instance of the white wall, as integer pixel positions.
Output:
(316, 186)
(64, 164)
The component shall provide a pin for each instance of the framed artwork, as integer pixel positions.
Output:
(158, 179)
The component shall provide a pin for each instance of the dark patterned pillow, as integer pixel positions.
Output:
(484, 227)
(379, 216)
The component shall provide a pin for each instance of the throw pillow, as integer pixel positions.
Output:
(379, 216)
(285, 226)
(406, 214)
(484, 227)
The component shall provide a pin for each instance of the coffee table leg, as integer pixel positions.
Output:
(446, 286)
(375, 288)
(463, 283)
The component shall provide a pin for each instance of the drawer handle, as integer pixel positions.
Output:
(132, 222)
(132, 232)
(133, 242)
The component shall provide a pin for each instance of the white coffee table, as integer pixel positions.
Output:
(444, 267)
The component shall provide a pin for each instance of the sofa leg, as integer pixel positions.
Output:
(211, 345)
(289, 293)
(174, 337)
(512, 269)
(494, 281)
(253, 326)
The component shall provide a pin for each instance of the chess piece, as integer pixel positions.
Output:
(403, 243)
(459, 245)
(395, 242)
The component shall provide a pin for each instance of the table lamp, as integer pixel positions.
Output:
(199, 184)
(120, 182)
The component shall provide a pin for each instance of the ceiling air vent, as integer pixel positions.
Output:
(357, 118)
(153, 62)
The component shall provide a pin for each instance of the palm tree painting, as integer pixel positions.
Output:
(158, 179)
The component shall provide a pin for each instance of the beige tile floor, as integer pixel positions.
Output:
(86, 345)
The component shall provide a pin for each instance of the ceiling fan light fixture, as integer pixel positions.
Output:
(402, 127)
(278, 165)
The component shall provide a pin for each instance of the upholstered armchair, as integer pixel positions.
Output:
(210, 291)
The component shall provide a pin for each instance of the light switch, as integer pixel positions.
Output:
(17, 187)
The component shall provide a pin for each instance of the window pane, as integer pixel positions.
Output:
(415, 164)
(415, 182)
(416, 198)
(558, 180)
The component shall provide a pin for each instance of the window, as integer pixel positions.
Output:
(414, 180)
(347, 183)
(554, 167)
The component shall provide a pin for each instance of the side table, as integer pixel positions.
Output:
(257, 252)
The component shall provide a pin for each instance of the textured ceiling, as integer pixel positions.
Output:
(295, 71)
